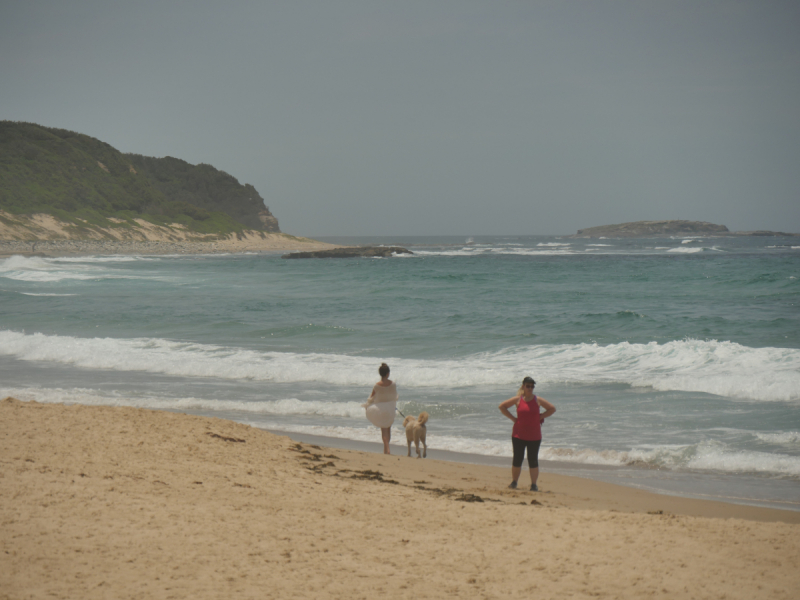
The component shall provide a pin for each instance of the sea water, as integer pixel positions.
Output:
(674, 363)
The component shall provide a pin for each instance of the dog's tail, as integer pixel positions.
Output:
(422, 418)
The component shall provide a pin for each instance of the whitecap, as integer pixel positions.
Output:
(782, 438)
(33, 294)
(34, 269)
(686, 250)
(704, 456)
(722, 368)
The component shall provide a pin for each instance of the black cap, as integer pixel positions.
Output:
(528, 380)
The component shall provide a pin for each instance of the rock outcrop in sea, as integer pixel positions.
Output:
(352, 252)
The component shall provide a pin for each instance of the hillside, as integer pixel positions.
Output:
(82, 181)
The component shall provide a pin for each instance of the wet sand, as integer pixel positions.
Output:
(115, 502)
(658, 486)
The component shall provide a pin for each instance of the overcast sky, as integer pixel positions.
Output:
(436, 117)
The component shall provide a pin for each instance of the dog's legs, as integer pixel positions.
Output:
(424, 449)
(409, 447)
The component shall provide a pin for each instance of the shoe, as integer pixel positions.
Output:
(534, 487)
(513, 485)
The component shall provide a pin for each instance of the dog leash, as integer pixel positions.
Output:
(398, 410)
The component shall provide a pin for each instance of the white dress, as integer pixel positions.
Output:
(381, 407)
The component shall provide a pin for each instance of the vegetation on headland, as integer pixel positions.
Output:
(90, 185)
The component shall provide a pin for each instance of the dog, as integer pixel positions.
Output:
(415, 432)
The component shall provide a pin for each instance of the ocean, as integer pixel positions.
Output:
(674, 363)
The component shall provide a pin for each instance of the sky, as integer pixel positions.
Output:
(453, 117)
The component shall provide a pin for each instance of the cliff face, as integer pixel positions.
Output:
(76, 177)
(653, 229)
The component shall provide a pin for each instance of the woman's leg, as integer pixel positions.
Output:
(533, 461)
(516, 462)
(534, 475)
(386, 434)
(515, 473)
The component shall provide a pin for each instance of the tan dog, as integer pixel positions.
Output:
(415, 432)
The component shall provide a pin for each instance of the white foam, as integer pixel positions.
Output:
(686, 250)
(789, 439)
(707, 456)
(32, 294)
(721, 368)
(102, 259)
(49, 270)
(714, 456)
(499, 250)
(284, 407)
(35, 269)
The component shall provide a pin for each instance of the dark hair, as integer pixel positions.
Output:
(383, 370)
(525, 381)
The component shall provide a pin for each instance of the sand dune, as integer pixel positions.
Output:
(44, 234)
(113, 502)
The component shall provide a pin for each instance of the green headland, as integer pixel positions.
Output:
(96, 190)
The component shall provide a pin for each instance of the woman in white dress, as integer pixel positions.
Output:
(381, 405)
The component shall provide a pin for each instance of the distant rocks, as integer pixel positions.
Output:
(670, 228)
(352, 252)
(764, 233)
(653, 229)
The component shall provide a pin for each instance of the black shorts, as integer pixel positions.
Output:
(519, 452)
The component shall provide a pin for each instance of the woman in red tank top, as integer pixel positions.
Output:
(527, 431)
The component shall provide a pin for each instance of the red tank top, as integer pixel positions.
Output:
(529, 424)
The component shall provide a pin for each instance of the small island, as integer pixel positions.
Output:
(668, 228)
(352, 252)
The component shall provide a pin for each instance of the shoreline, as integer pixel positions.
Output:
(600, 478)
(117, 502)
(268, 243)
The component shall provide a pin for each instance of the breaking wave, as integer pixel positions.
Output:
(723, 368)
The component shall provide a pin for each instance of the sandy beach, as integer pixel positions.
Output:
(113, 502)
(269, 242)
(44, 235)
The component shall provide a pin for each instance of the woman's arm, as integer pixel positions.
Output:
(549, 409)
(369, 400)
(505, 405)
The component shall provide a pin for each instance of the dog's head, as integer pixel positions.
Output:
(408, 420)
